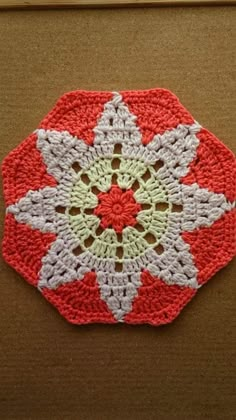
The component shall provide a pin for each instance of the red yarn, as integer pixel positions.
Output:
(77, 112)
(157, 110)
(219, 240)
(24, 248)
(118, 208)
(158, 303)
(80, 302)
(23, 170)
(213, 168)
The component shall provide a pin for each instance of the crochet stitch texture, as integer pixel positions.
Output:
(119, 207)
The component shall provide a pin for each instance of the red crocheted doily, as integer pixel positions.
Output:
(119, 207)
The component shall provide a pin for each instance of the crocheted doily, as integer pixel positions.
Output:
(119, 207)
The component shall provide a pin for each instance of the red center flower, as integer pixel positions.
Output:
(117, 208)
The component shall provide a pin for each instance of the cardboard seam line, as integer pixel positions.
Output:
(34, 4)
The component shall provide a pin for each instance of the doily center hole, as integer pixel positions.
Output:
(115, 163)
(60, 209)
(76, 167)
(88, 211)
(74, 211)
(85, 179)
(117, 149)
(118, 266)
(158, 165)
(89, 241)
(150, 238)
(119, 252)
(159, 249)
(77, 251)
(146, 176)
(177, 208)
(162, 206)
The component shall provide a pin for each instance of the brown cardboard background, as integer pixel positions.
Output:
(50, 369)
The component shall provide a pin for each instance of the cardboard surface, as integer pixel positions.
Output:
(31, 4)
(50, 369)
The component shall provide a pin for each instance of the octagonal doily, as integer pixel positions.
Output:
(119, 207)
